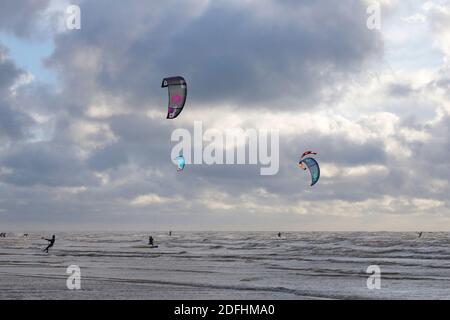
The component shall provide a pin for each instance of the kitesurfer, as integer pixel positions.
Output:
(50, 244)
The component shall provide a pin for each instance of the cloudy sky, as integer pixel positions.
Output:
(84, 143)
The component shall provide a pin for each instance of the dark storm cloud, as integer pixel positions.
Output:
(46, 164)
(108, 157)
(140, 140)
(442, 81)
(234, 56)
(139, 129)
(228, 53)
(433, 155)
(333, 150)
(400, 90)
(20, 16)
(13, 123)
(9, 73)
(343, 151)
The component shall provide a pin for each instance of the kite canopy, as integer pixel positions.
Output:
(181, 163)
(314, 169)
(177, 95)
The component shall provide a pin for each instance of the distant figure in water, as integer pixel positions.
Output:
(279, 234)
(25, 235)
(420, 234)
(50, 244)
(150, 241)
(170, 233)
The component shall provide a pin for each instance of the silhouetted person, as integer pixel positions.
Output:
(150, 241)
(170, 233)
(420, 234)
(51, 243)
(279, 234)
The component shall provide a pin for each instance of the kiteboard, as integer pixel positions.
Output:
(144, 246)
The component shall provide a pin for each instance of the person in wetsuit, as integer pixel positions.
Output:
(50, 244)
(150, 241)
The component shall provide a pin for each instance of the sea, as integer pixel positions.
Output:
(226, 265)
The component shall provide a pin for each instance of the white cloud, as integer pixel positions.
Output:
(150, 199)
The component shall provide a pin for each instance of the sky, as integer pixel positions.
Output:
(85, 143)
